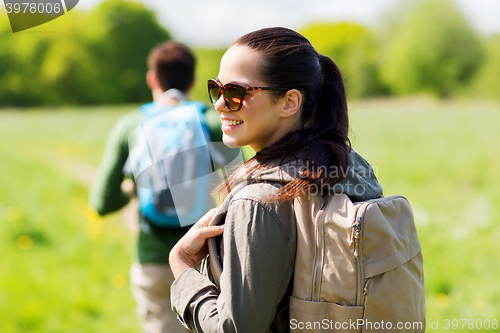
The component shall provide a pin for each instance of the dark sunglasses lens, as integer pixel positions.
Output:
(213, 92)
(234, 97)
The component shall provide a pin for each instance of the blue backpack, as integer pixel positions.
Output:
(169, 154)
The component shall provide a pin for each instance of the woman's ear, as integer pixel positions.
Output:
(292, 101)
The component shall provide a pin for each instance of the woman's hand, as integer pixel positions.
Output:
(192, 248)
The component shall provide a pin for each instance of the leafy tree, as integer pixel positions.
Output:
(207, 67)
(434, 51)
(88, 58)
(487, 81)
(354, 50)
(127, 32)
(6, 60)
(67, 71)
(21, 57)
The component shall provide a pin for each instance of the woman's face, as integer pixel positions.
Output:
(260, 120)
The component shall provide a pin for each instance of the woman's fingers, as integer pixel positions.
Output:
(205, 219)
(211, 231)
(191, 248)
(197, 239)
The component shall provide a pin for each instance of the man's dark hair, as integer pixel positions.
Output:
(173, 64)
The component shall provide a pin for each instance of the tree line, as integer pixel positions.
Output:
(428, 48)
(99, 57)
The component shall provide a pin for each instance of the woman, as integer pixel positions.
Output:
(276, 94)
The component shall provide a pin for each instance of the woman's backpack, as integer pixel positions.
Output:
(358, 265)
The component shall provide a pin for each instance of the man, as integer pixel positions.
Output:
(170, 78)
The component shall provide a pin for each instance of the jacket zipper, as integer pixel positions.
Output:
(367, 284)
(358, 253)
(319, 254)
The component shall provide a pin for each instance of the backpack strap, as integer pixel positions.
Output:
(213, 243)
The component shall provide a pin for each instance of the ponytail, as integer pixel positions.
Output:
(333, 95)
(331, 123)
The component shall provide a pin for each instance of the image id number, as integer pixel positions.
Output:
(32, 7)
(470, 324)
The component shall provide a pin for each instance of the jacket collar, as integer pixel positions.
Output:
(359, 181)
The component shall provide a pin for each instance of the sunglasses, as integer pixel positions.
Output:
(233, 93)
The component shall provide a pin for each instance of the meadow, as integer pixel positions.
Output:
(64, 269)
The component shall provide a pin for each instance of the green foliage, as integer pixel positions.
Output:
(434, 51)
(21, 55)
(207, 67)
(67, 73)
(99, 57)
(89, 58)
(487, 81)
(130, 32)
(353, 48)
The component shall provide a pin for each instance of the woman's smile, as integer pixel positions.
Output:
(230, 124)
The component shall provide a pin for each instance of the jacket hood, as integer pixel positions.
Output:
(359, 182)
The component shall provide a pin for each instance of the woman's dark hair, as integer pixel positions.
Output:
(322, 142)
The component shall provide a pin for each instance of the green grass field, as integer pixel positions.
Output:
(63, 269)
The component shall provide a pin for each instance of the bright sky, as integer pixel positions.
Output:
(220, 22)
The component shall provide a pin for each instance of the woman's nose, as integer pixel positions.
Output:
(220, 105)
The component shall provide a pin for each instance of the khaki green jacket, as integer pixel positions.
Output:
(258, 257)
